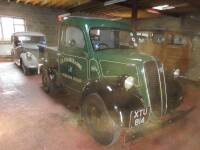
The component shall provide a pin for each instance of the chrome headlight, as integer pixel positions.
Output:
(129, 82)
(176, 73)
(28, 55)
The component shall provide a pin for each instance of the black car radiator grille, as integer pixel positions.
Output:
(156, 87)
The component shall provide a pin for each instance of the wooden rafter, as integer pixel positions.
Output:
(18, 1)
(63, 3)
(28, 1)
(35, 2)
(54, 3)
(44, 2)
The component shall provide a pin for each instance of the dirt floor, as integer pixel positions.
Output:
(30, 119)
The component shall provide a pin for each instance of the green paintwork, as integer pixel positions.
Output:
(104, 64)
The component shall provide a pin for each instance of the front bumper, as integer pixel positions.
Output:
(153, 124)
(32, 67)
(39, 68)
(35, 67)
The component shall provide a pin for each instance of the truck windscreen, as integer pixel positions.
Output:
(110, 38)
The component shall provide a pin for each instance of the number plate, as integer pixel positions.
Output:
(139, 117)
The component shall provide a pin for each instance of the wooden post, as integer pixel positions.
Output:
(134, 14)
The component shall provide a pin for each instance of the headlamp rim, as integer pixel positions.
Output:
(131, 83)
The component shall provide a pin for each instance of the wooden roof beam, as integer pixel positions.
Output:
(33, 2)
(75, 3)
(18, 1)
(44, 2)
(93, 4)
(28, 1)
(56, 2)
(62, 3)
(36, 2)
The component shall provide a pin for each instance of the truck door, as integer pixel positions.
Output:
(74, 58)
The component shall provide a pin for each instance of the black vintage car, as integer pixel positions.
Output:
(28, 49)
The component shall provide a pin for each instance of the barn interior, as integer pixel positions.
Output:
(31, 119)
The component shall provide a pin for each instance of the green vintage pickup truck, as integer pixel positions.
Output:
(119, 87)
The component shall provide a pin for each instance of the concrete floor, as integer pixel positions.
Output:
(32, 120)
(5, 49)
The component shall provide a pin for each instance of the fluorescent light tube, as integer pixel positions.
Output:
(163, 7)
(113, 2)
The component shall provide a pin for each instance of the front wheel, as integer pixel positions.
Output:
(25, 69)
(98, 120)
(45, 81)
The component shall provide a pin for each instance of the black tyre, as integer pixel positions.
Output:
(175, 94)
(45, 81)
(98, 121)
(25, 69)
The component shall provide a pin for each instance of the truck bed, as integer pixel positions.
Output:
(51, 56)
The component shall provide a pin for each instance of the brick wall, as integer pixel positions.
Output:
(38, 19)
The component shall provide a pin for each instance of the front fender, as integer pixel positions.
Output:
(117, 100)
(174, 92)
(31, 62)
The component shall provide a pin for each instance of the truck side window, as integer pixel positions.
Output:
(74, 37)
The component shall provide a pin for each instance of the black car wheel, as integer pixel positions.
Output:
(98, 121)
(45, 81)
(25, 69)
(175, 94)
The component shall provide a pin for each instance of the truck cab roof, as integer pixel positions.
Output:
(92, 22)
(28, 34)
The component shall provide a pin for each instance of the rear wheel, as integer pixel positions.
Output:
(98, 121)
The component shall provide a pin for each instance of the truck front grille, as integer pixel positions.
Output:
(156, 87)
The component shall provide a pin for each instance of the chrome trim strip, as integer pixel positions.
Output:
(39, 68)
(121, 118)
(166, 106)
(130, 119)
(147, 89)
(161, 85)
(161, 92)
